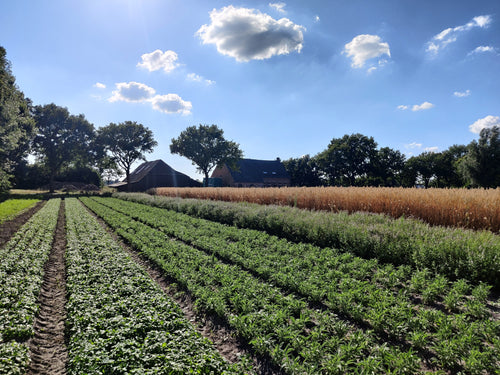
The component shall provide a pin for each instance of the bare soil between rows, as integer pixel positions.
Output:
(48, 352)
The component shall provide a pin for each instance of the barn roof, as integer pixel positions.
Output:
(252, 170)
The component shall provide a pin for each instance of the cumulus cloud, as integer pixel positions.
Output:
(432, 149)
(416, 107)
(462, 94)
(450, 35)
(158, 59)
(100, 85)
(132, 92)
(248, 34)
(486, 122)
(483, 49)
(421, 107)
(171, 103)
(365, 47)
(280, 7)
(413, 145)
(197, 78)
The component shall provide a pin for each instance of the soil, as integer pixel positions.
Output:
(222, 336)
(8, 228)
(48, 351)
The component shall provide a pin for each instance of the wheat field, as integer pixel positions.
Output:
(467, 208)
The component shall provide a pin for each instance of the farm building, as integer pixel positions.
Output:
(253, 173)
(157, 173)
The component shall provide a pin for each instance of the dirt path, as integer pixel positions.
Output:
(8, 228)
(47, 348)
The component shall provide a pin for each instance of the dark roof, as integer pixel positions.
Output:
(143, 169)
(251, 170)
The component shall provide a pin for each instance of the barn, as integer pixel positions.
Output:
(253, 173)
(157, 173)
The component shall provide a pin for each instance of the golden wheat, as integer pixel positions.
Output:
(474, 208)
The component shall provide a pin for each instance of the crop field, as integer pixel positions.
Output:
(300, 307)
(13, 207)
(467, 208)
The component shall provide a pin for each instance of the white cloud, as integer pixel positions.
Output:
(432, 149)
(158, 59)
(413, 145)
(450, 35)
(486, 122)
(365, 47)
(280, 7)
(317, 19)
(462, 94)
(248, 34)
(403, 107)
(132, 92)
(421, 107)
(197, 78)
(171, 103)
(100, 85)
(483, 49)
(371, 70)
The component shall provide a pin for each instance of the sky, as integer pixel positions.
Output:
(282, 79)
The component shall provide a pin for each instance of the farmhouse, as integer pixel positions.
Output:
(253, 173)
(151, 174)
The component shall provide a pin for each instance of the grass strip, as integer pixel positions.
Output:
(13, 207)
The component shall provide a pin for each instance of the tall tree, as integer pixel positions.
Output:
(206, 147)
(446, 167)
(303, 171)
(387, 167)
(61, 138)
(481, 165)
(127, 142)
(348, 158)
(16, 122)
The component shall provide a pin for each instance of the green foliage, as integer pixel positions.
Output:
(455, 253)
(206, 147)
(303, 171)
(127, 142)
(119, 320)
(227, 269)
(21, 276)
(13, 207)
(62, 139)
(482, 163)
(16, 123)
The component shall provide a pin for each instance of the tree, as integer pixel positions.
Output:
(303, 171)
(446, 167)
(206, 147)
(347, 159)
(387, 167)
(481, 165)
(126, 142)
(422, 168)
(16, 122)
(61, 139)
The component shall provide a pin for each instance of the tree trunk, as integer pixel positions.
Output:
(127, 171)
(205, 181)
(51, 182)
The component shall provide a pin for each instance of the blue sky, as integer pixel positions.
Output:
(280, 78)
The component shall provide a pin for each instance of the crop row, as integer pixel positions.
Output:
(469, 208)
(13, 207)
(119, 320)
(21, 276)
(277, 324)
(455, 253)
(379, 296)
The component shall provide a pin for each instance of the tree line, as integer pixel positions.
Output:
(355, 160)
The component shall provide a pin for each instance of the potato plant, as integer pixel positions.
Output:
(21, 276)
(119, 320)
